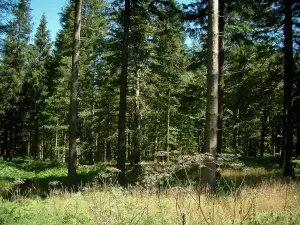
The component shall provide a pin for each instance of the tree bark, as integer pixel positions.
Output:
(168, 126)
(221, 76)
(288, 85)
(123, 96)
(74, 93)
(211, 127)
(137, 127)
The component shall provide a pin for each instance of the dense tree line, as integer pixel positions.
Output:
(142, 81)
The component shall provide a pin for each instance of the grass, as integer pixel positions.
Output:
(255, 195)
(40, 174)
(270, 203)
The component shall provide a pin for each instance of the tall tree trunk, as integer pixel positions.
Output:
(137, 127)
(123, 96)
(56, 142)
(211, 127)
(107, 143)
(288, 85)
(74, 93)
(282, 152)
(168, 126)
(221, 76)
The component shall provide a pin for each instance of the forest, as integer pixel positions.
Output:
(151, 112)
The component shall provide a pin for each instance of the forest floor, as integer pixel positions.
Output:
(249, 191)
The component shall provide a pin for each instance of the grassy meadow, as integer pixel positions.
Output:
(34, 192)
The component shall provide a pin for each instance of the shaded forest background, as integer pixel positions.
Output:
(166, 91)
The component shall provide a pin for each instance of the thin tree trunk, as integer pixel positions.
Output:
(282, 153)
(97, 147)
(288, 85)
(221, 76)
(93, 139)
(137, 127)
(56, 141)
(107, 149)
(278, 142)
(211, 127)
(123, 96)
(262, 140)
(262, 137)
(73, 102)
(246, 141)
(274, 142)
(199, 142)
(168, 127)
(29, 145)
(65, 144)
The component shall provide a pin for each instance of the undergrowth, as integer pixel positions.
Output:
(159, 193)
(270, 203)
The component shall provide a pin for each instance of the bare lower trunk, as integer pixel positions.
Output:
(168, 126)
(211, 127)
(221, 77)
(56, 142)
(288, 85)
(137, 127)
(123, 96)
(74, 93)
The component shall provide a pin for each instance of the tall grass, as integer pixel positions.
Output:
(271, 202)
(253, 195)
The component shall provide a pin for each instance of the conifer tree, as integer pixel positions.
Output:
(36, 82)
(14, 67)
(74, 92)
(123, 93)
(288, 85)
(210, 135)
